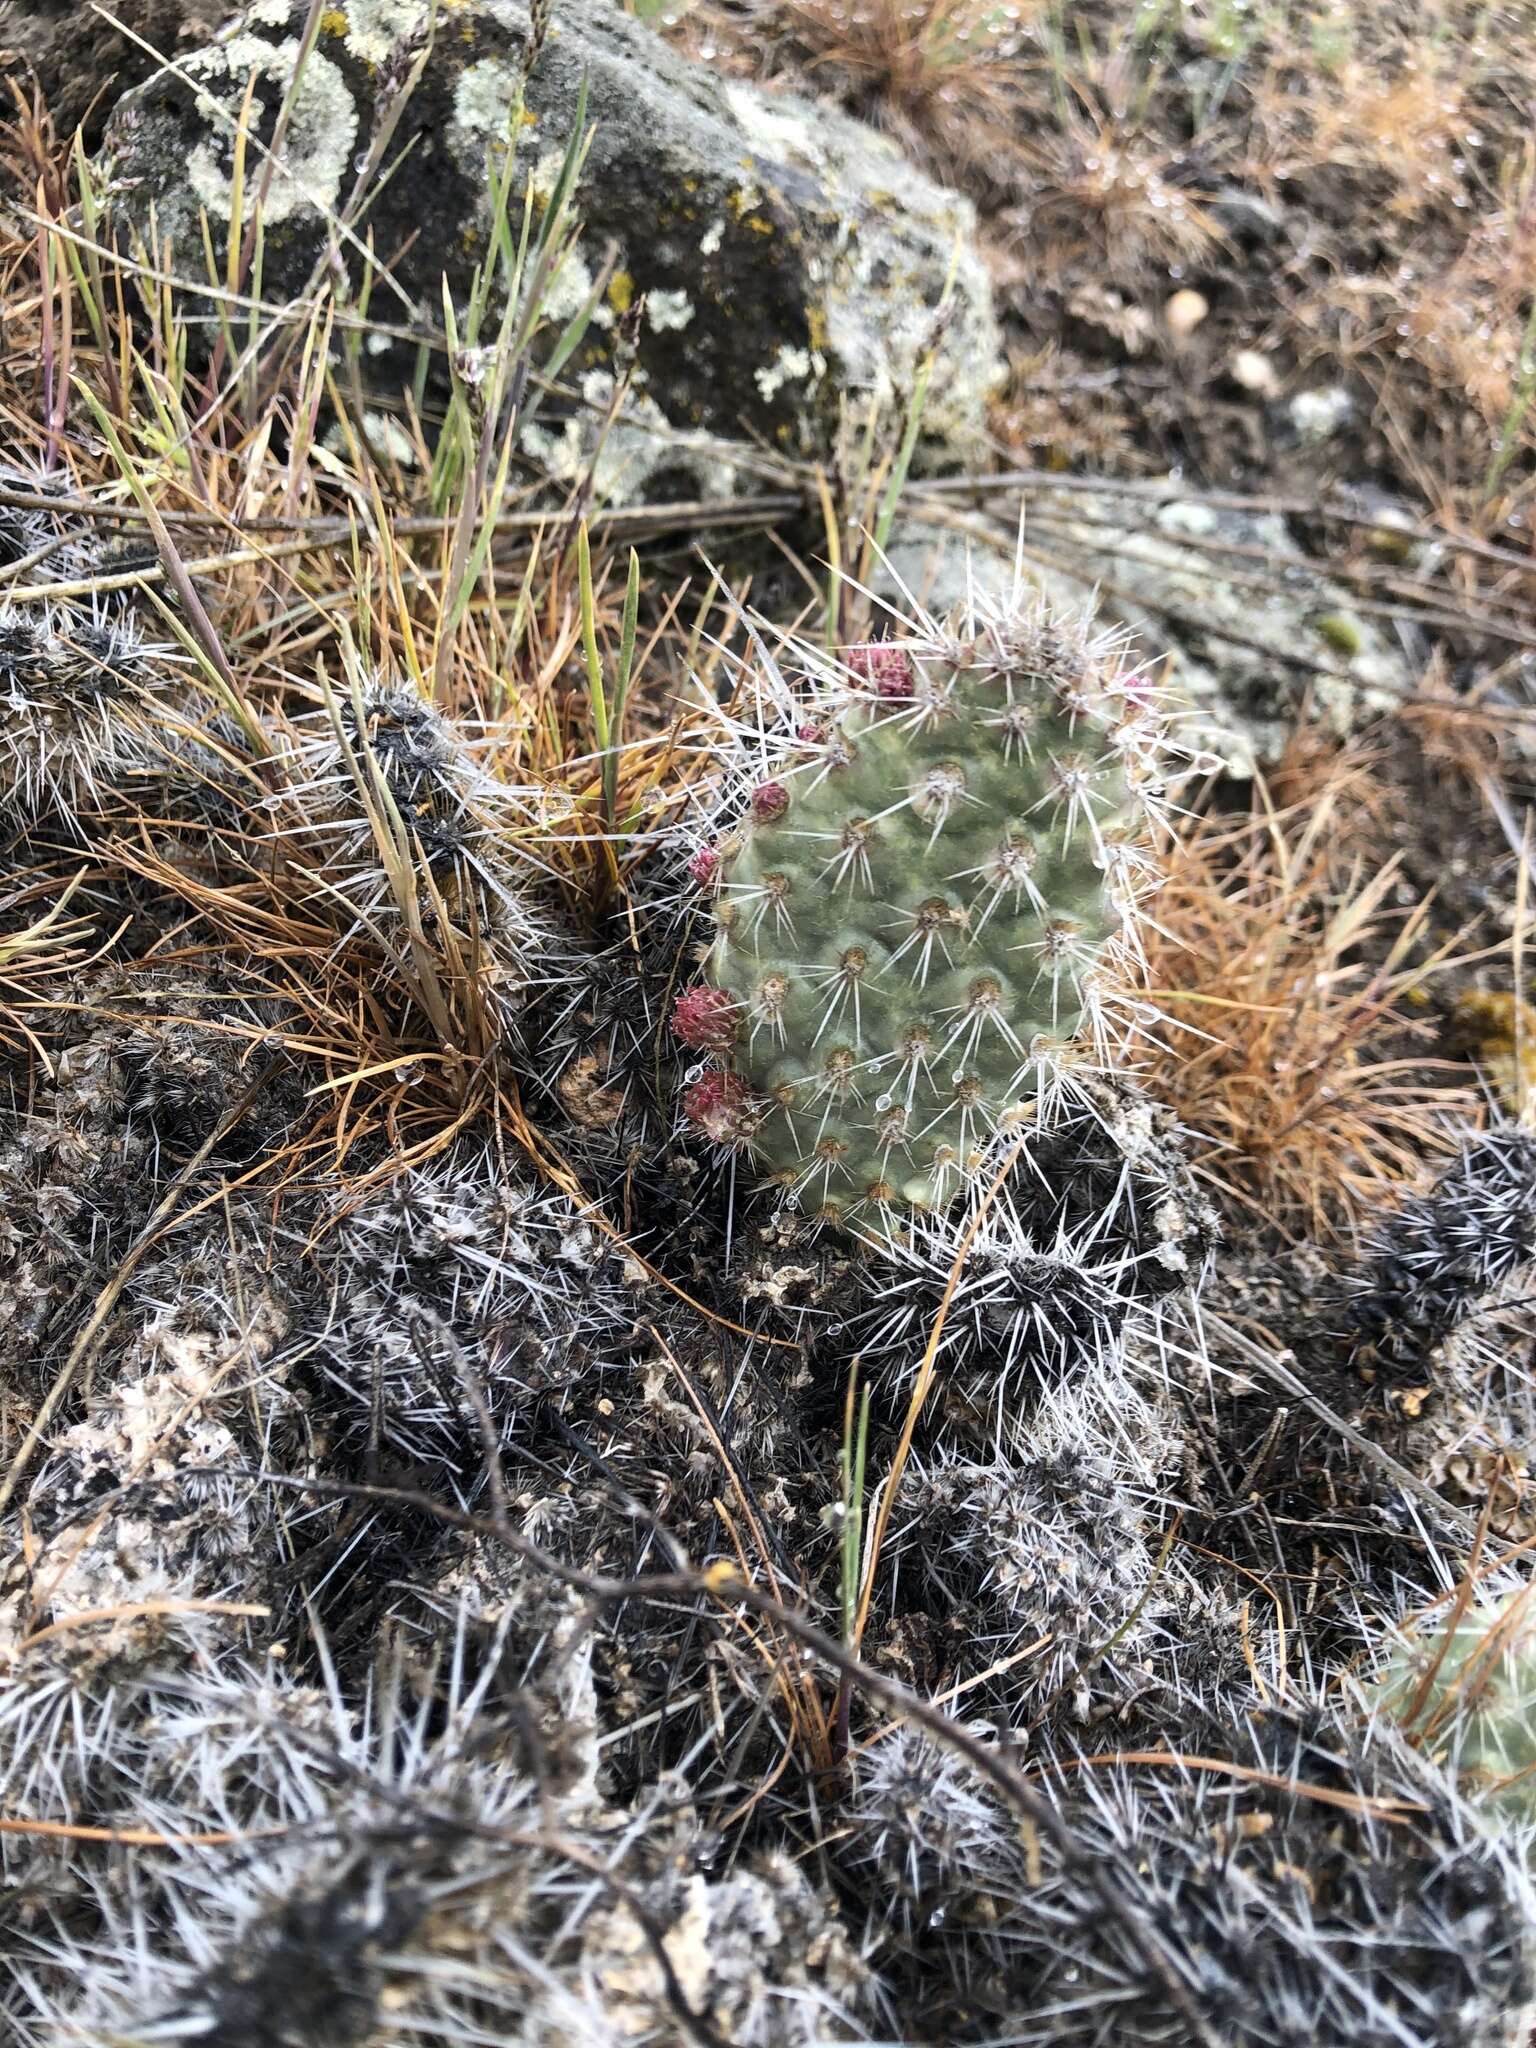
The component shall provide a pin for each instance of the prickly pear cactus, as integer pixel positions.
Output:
(912, 910)
(1467, 1690)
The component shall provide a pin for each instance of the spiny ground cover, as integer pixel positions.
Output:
(509, 1535)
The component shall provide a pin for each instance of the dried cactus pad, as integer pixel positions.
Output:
(912, 910)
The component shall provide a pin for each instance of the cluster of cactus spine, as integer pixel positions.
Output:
(76, 690)
(1287, 1906)
(912, 911)
(1448, 1251)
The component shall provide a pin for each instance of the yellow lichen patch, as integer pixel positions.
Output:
(1498, 1029)
(334, 22)
(816, 328)
(621, 292)
(739, 205)
(1341, 632)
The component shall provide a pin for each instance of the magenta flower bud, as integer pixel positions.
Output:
(720, 1105)
(885, 667)
(704, 1019)
(770, 800)
(704, 866)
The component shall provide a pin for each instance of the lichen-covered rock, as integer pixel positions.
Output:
(83, 61)
(770, 258)
(1227, 598)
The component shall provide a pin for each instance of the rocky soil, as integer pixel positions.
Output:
(767, 1203)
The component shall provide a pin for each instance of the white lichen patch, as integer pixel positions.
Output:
(376, 28)
(639, 445)
(789, 364)
(483, 101)
(713, 237)
(388, 438)
(544, 175)
(668, 312)
(322, 128)
(773, 128)
(1317, 416)
(569, 290)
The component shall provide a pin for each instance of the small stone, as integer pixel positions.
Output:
(1255, 373)
(1184, 312)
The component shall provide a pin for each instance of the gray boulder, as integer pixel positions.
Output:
(772, 258)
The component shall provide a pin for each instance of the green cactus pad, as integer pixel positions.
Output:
(1467, 1690)
(910, 913)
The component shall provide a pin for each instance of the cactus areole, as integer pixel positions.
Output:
(913, 911)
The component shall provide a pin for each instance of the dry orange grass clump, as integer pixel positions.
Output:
(1284, 970)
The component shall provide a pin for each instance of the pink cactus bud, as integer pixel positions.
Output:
(704, 1019)
(770, 800)
(704, 866)
(813, 735)
(885, 667)
(720, 1105)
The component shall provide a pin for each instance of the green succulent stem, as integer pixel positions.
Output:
(910, 916)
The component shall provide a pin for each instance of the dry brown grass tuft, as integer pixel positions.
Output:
(1351, 190)
(941, 74)
(1285, 973)
(310, 566)
(906, 51)
(1109, 199)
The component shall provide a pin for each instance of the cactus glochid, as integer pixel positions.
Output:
(913, 907)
